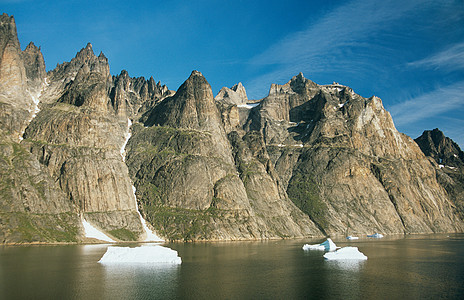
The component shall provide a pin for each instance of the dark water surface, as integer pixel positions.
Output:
(412, 267)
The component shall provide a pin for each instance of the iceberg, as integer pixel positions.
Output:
(352, 237)
(328, 245)
(376, 235)
(147, 254)
(345, 253)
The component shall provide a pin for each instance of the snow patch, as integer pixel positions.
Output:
(147, 254)
(128, 135)
(92, 232)
(34, 110)
(150, 235)
(328, 245)
(345, 253)
(248, 106)
(441, 166)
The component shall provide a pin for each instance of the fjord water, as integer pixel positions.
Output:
(411, 267)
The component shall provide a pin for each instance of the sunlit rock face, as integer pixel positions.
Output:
(341, 160)
(307, 160)
(448, 159)
(196, 182)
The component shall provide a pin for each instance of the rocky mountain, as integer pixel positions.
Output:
(77, 143)
(448, 160)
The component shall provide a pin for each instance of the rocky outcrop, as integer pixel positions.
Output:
(234, 95)
(136, 95)
(234, 107)
(19, 86)
(448, 160)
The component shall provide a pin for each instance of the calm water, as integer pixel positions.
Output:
(417, 267)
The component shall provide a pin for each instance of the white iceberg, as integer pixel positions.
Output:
(376, 235)
(345, 253)
(350, 237)
(148, 254)
(328, 245)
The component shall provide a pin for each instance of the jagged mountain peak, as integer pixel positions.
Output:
(297, 85)
(32, 47)
(192, 107)
(86, 53)
(442, 149)
(8, 24)
(234, 95)
(196, 73)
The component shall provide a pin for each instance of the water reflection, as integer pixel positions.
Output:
(353, 265)
(140, 281)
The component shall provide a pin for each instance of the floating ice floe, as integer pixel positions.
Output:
(375, 235)
(328, 245)
(147, 254)
(352, 237)
(345, 253)
(94, 233)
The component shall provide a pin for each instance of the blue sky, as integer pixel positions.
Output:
(410, 53)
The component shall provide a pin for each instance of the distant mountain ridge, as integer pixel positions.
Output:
(307, 160)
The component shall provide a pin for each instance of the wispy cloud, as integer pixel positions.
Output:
(451, 58)
(428, 105)
(321, 46)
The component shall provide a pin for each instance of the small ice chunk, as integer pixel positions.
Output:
(376, 235)
(352, 237)
(328, 245)
(149, 254)
(345, 253)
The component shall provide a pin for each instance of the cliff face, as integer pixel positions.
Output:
(358, 173)
(448, 160)
(307, 160)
